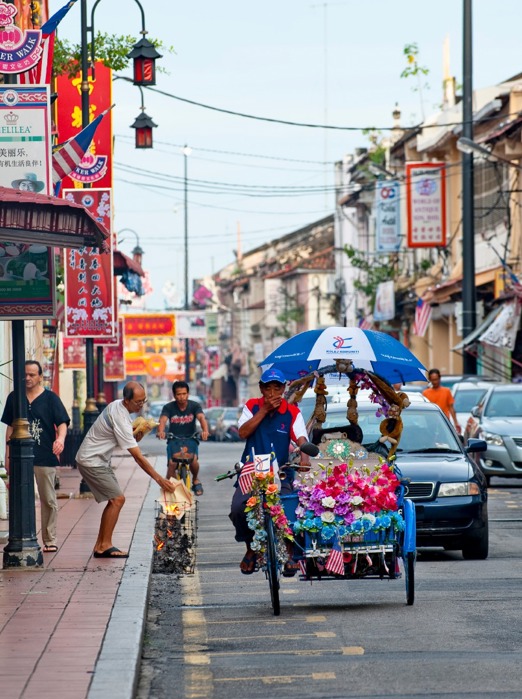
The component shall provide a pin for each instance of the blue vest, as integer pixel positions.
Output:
(273, 433)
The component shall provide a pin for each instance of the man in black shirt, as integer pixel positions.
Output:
(179, 419)
(48, 422)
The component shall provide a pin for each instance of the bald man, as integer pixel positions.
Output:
(113, 428)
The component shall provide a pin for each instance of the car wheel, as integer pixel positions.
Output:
(476, 548)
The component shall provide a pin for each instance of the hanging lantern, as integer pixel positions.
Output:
(144, 56)
(143, 125)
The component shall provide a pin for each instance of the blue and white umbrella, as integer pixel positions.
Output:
(374, 351)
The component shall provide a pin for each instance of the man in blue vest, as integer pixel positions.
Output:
(269, 424)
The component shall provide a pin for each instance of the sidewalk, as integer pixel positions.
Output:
(73, 628)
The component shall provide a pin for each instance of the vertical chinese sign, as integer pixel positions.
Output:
(387, 216)
(426, 204)
(27, 286)
(89, 275)
(113, 357)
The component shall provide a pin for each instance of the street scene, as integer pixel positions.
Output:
(261, 353)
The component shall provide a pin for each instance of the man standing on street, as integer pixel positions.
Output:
(113, 428)
(179, 419)
(441, 396)
(48, 422)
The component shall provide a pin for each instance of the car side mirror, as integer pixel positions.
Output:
(475, 445)
(475, 411)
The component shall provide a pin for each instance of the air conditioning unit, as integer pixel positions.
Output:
(255, 329)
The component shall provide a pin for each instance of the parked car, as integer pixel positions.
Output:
(222, 423)
(450, 380)
(498, 420)
(467, 394)
(447, 487)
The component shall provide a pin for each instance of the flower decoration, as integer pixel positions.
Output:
(338, 449)
(344, 501)
(364, 381)
(265, 496)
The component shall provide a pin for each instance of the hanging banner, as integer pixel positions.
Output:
(113, 358)
(191, 325)
(426, 204)
(387, 216)
(150, 324)
(384, 302)
(20, 50)
(73, 353)
(503, 330)
(95, 167)
(89, 274)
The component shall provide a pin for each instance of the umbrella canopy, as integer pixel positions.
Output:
(367, 349)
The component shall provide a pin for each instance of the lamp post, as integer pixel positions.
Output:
(186, 152)
(469, 300)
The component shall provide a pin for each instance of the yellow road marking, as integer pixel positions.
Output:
(353, 650)
(247, 621)
(279, 636)
(198, 678)
(302, 652)
(283, 679)
(513, 507)
(315, 619)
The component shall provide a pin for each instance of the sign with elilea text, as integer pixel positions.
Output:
(95, 167)
(387, 216)
(426, 204)
(149, 324)
(89, 274)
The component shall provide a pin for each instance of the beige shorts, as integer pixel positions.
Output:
(102, 482)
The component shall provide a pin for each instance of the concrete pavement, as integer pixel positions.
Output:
(74, 628)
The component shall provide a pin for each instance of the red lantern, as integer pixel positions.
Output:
(143, 125)
(144, 56)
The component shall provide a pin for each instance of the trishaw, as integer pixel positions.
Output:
(347, 515)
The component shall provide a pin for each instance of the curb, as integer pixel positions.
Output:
(118, 663)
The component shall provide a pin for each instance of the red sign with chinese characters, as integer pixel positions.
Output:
(73, 353)
(95, 167)
(89, 274)
(147, 325)
(113, 359)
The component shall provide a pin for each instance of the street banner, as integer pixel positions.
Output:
(384, 302)
(95, 168)
(211, 323)
(191, 325)
(113, 358)
(149, 324)
(426, 204)
(20, 49)
(89, 274)
(73, 353)
(388, 216)
(274, 302)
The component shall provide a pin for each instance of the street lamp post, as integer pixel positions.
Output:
(186, 152)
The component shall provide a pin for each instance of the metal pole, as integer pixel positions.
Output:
(469, 317)
(22, 549)
(186, 304)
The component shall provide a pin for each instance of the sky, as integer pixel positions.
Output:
(337, 63)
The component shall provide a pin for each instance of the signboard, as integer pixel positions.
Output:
(426, 204)
(113, 358)
(387, 216)
(89, 275)
(211, 322)
(95, 167)
(73, 353)
(384, 302)
(20, 50)
(150, 324)
(27, 286)
(191, 325)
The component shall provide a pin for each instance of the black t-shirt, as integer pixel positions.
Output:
(181, 423)
(45, 413)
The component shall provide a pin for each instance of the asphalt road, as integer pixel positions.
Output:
(213, 634)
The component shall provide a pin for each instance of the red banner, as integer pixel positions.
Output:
(73, 353)
(150, 324)
(89, 275)
(114, 362)
(96, 165)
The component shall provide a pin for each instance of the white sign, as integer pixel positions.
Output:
(426, 204)
(384, 302)
(388, 216)
(191, 325)
(274, 302)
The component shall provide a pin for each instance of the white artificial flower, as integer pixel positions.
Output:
(328, 517)
(328, 501)
(357, 514)
(368, 516)
(356, 500)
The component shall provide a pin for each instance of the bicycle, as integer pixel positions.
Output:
(178, 462)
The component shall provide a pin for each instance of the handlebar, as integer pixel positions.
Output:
(171, 436)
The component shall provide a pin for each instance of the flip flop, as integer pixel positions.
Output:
(113, 552)
(249, 561)
(50, 549)
(197, 488)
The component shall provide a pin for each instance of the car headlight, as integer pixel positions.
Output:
(448, 490)
(491, 438)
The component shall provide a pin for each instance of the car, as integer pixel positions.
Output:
(222, 423)
(498, 420)
(467, 394)
(447, 487)
(450, 380)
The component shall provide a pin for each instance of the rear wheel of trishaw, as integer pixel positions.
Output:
(272, 565)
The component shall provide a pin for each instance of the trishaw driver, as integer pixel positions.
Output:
(268, 424)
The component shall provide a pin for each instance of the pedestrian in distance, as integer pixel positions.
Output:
(112, 429)
(269, 424)
(48, 422)
(179, 419)
(441, 396)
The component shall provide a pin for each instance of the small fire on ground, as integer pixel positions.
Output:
(175, 542)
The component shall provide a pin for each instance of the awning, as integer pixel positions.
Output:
(28, 217)
(124, 263)
(475, 334)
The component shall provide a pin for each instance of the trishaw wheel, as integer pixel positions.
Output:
(272, 566)
(409, 574)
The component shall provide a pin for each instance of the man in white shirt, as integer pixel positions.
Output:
(113, 428)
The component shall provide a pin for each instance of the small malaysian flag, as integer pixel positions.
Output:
(365, 322)
(335, 562)
(422, 318)
(246, 477)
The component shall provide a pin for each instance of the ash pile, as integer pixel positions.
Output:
(175, 542)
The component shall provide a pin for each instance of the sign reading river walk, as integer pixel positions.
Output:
(20, 50)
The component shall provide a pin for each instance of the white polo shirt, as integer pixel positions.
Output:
(113, 428)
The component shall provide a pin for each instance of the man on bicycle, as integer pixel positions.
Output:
(268, 424)
(178, 418)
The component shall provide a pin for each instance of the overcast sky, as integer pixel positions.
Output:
(313, 62)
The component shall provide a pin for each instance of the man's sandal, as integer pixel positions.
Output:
(250, 563)
(197, 488)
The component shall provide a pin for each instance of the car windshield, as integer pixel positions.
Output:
(465, 401)
(424, 430)
(230, 414)
(504, 404)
